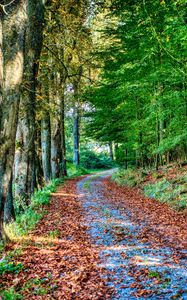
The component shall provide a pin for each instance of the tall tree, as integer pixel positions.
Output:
(143, 80)
(21, 28)
(13, 26)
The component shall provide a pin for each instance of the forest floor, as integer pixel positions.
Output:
(102, 241)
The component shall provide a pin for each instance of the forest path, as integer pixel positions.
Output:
(94, 244)
(58, 259)
(137, 267)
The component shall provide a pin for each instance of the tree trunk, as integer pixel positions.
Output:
(76, 155)
(46, 146)
(55, 146)
(33, 46)
(76, 131)
(21, 44)
(20, 161)
(62, 134)
(1, 101)
(9, 213)
(111, 151)
(55, 127)
(12, 45)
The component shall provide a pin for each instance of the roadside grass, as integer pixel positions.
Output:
(27, 220)
(11, 294)
(36, 287)
(130, 177)
(74, 171)
(171, 190)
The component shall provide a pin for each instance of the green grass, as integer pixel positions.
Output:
(54, 233)
(27, 220)
(87, 184)
(129, 177)
(11, 294)
(154, 274)
(9, 267)
(173, 192)
(74, 171)
(36, 286)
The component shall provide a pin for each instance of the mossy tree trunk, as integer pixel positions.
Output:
(76, 126)
(33, 39)
(46, 146)
(13, 27)
(9, 213)
(62, 132)
(20, 39)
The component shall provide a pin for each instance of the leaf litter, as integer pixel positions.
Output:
(59, 260)
(142, 243)
(100, 241)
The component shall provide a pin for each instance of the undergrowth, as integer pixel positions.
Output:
(172, 191)
(11, 294)
(27, 220)
(74, 171)
(129, 177)
(9, 267)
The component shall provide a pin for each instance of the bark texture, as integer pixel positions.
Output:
(46, 146)
(20, 42)
(76, 133)
(12, 36)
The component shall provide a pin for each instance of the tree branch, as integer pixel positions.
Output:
(3, 6)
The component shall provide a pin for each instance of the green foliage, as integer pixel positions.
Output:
(54, 233)
(42, 197)
(37, 286)
(28, 219)
(9, 267)
(129, 177)
(92, 160)
(11, 294)
(172, 192)
(74, 171)
(24, 222)
(140, 98)
(154, 274)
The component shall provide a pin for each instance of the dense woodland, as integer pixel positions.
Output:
(96, 73)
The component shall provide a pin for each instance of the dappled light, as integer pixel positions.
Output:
(64, 195)
(14, 71)
(93, 150)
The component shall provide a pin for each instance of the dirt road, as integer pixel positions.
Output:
(96, 241)
(136, 269)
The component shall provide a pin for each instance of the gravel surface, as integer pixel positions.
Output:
(135, 269)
